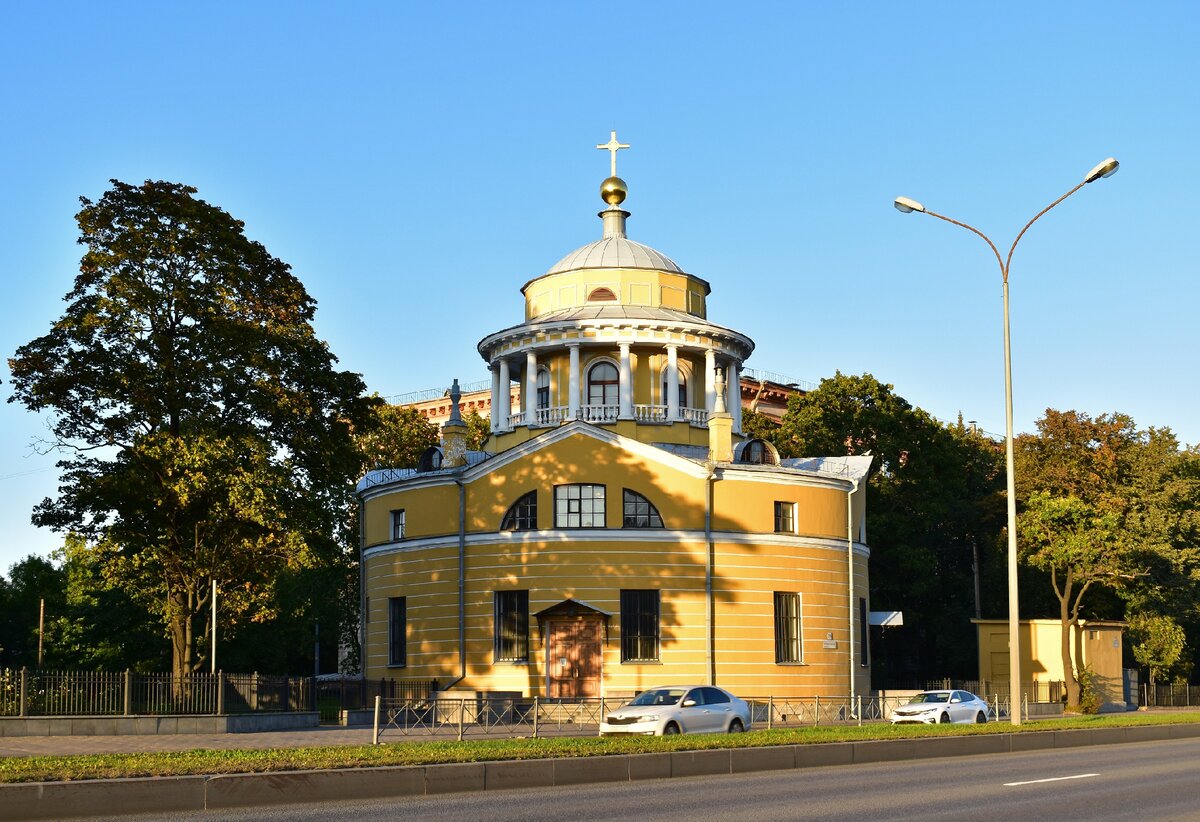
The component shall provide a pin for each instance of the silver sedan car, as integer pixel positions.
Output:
(943, 706)
(679, 709)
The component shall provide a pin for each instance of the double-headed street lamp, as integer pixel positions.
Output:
(907, 206)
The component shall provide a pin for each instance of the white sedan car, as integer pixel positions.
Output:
(676, 710)
(943, 706)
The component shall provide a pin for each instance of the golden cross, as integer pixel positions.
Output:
(613, 146)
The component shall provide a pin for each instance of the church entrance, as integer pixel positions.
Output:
(574, 657)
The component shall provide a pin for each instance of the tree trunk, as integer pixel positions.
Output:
(1067, 664)
(181, 608)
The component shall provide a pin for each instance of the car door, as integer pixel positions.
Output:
(693, 717)
(719, 708)
(960, 708)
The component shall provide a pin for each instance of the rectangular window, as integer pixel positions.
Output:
(397, 632)
(579, 506)
(398, 524)
(639, 626)
(785, 517)
(512, 626)
(864, 635)
(788, 647)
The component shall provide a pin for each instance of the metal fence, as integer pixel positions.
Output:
(1171, 696)
(96, 693)
(354, 693)
(1032, 691)
(535, 716)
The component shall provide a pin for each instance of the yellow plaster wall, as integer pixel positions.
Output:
(553, 292)
(741, 505)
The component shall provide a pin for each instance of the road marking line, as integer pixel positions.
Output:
(1051, 779)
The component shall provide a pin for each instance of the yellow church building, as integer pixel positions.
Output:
(617, 531)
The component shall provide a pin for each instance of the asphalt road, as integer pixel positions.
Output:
(1143, 781)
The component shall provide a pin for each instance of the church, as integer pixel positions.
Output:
(617, 531)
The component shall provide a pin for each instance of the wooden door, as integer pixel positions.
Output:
(575, 659)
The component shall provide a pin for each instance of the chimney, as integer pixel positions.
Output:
(454, 433)
(720, 424)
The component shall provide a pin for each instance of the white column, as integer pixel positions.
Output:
(734, 399)
(710, 379)
(672, 382)
(573, 384)
(505, 396)
(625, 389)
(529, 393)
(496, 410)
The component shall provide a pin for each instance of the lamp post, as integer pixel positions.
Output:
(907, 206)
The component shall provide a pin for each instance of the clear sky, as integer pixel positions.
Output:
(416, 163)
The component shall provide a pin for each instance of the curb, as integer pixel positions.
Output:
(55, 800)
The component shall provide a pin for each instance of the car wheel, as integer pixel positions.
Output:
(735, 727)
(980, 718)
(944, 718)
(671, 729)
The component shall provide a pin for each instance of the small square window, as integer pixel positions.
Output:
(785, 517)
(398, 524)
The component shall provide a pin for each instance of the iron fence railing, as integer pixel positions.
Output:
(538, 716)
(104, 693)
(1171, 696)
(1032, 691)
(354, 693)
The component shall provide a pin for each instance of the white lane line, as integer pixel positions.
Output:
(1051, 779)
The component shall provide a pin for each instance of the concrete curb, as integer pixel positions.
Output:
(54, 800)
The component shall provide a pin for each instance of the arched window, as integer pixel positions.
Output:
(602, 384)
(522, 516)
(756, 452)
(543, 388)
(430, 459)
(602, 295)
(640, 512)
(666, 389)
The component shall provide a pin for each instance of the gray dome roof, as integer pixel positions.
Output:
(615, 252)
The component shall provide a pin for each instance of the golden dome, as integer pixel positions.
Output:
(613, 191)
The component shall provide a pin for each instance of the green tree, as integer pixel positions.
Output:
(206, 430)
(1079, 547)
(399, 434)
(1158, 644)
(30, 582)
(1142, 481)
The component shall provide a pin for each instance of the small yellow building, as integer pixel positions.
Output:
(618, 531)
(1095, 643)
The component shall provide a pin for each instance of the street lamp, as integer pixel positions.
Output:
(906, 205)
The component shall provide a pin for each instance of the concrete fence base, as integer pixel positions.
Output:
(150, 725)
(54, 800)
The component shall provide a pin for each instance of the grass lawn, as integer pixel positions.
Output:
(181, 763)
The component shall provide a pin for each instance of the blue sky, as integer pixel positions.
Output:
(417, 163)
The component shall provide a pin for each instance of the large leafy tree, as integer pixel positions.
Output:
(934, 501)
(1140, 484)
(205, 427)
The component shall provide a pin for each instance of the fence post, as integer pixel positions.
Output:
(462, 714)
(817, 711)
(375, 730)
(860, 710)
(770, 712)
(128, 692)
(220, 692)
(535, 715)
(21, 699)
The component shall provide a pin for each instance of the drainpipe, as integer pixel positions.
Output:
(710, 550)
(850, 577)
(462, 596)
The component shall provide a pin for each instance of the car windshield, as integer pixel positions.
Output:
(660, 696)
(929, 697)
